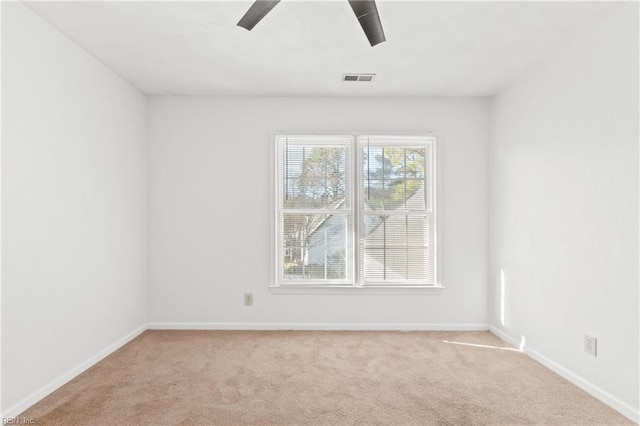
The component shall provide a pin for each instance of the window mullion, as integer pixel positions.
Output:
(352, 181)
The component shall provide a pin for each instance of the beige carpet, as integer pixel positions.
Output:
(323, 378)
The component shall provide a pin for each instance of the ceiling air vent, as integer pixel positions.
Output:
(358, 77)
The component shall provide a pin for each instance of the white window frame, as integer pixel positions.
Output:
(379, 140)
(354, 282)
(311, 140)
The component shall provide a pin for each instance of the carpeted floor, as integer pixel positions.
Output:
(320, 378)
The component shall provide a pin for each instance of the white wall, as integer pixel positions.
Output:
(73, 197)
(210, 208)
(564, 210)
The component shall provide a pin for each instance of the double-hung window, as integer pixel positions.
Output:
(355, 211)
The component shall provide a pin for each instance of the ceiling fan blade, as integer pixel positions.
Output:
(367, 14)
(256, 12)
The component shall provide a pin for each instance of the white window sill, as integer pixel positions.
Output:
(343, 289)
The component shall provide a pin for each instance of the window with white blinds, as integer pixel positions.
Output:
(396, 211)
(355, 211)
(315, 210)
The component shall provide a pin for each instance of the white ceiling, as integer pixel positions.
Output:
(303, 48)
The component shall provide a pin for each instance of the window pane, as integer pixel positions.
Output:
(314, 176)
(394, 178)
(396, 264)
(415, 162)
(396, 248)
(395, 230)
(315, 246)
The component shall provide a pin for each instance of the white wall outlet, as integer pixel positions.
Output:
(591, 345)
(248, 299)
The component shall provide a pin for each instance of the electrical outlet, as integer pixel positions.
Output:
(248, 299)
(591, 345)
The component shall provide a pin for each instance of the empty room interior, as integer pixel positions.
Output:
(320, 212)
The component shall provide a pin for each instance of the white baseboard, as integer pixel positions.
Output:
(315, 326)
(620, 406)
(504, 336)
(27, 402)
